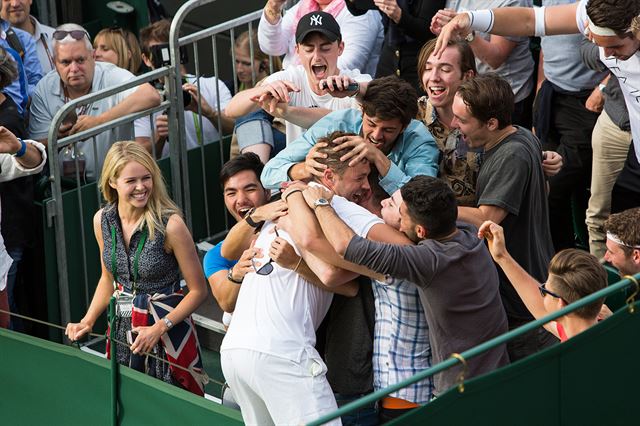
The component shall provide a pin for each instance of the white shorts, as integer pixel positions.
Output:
(272, 390)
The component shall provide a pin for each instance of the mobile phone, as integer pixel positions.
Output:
(131, 337)
(71, 118)
(350, 88)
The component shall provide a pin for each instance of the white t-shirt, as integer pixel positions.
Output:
(308, 98)
(628, 74)
(209, 86)
(278, 314)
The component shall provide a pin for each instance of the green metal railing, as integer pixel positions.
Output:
(462, 357)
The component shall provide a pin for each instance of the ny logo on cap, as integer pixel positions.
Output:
(316, 20)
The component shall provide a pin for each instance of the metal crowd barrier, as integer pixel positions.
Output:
(211, 37)
(191, 174)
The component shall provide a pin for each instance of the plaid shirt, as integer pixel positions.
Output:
(401, 340)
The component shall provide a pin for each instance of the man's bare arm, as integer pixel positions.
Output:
(476, 216)
(239, 237)
(311, 240)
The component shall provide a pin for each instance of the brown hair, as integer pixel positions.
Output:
(577, 274)
(618, 15)
(467, 58)
(332, 161)
(626, 225)
(488, 96)
(158, 31)
(389, 97)
(8, 69)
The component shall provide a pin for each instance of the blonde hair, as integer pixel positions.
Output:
(126, 46)
(242, 43)
(159, 204)
(635, 27)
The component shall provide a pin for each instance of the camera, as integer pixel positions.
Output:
(160, 55)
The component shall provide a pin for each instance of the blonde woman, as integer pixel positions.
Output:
(145, 247)
(119, 47)
(246, 68)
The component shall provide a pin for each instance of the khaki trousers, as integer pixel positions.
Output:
(610, 148)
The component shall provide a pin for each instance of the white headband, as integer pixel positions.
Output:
(600, 31)
(604, 31)
(617, 240)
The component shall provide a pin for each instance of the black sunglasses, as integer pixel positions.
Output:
(543, 291)
(267, 268)
(75, 34)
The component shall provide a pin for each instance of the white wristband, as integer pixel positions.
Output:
(539, 27)
(481, 20)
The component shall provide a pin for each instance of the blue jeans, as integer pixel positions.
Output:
(255, 128)
(16, 254)
(365, 416)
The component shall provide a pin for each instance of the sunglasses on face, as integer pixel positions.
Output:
(75, 34)
(267, 268)
(543, 291)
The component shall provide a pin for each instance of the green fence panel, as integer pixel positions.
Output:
(78, 293)
(210, 175)
(588, 380)
(44, 383)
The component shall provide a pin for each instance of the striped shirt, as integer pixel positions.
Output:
(401, 340)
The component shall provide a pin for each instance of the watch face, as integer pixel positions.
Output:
(321, 202)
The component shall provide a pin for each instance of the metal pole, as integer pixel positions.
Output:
(114, 361)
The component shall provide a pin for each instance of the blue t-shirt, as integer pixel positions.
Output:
(214, 262)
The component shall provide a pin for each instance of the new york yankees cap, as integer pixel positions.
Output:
(321, 22)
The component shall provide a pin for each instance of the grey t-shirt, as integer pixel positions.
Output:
(519, 65)
(562, 60)
(511, 178)
(458, 286)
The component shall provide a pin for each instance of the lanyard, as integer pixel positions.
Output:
(114, 270)
(196, 124)
(43, 40)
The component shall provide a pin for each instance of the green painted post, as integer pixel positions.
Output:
(114, 362)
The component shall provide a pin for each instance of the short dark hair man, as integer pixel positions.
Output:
(385, 133)
(510, 188)
(453, 270)
(243, 196)
(17, 12)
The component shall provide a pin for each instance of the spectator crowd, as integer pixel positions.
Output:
(407, 178)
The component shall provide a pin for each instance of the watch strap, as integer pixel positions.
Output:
(168, 323)
(230, 277)
(251, 223)
(22, 150)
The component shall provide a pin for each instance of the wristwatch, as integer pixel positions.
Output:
(470, 37)
(320, 202)
(230, 277)
(250, 222)
(168, 323)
